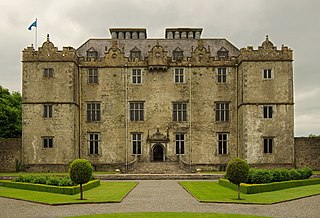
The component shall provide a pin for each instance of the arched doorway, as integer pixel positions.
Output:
(158, 152)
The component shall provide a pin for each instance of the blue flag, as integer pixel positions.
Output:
(33, 24)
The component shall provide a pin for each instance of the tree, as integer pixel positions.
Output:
(80, 172)
(237, 172)
(10, 114)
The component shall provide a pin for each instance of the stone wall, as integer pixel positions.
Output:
(10, 154)
(307, 152)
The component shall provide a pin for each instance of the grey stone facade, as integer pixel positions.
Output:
(128, 98)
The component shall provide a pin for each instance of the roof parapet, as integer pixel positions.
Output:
(128, 33)
(183, 33)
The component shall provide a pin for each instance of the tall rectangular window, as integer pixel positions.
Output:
(267, 111)
(180, 143)
(136, 143)
(222, 143)
(47, 111)
(47, 141)
(267, 145)
(93, 111)
(179, 111)
(93, 75)
(136, 76)
(48, 72)
(222, 111)
(179, 75)
(136, 111)
(222, 75)
(267, 74)
(94, 143)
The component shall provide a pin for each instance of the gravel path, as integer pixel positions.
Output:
(160, 196)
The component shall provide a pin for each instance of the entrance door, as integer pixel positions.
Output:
(158, 153)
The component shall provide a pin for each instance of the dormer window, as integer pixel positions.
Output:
(135, 54)
(92, 53)
(223, 53)
(177, 54)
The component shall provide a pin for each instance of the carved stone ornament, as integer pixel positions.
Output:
(157, 58)
(158, 137)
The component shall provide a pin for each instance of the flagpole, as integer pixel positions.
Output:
(36, 37)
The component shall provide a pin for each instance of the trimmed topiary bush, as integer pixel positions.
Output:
(52, 180)
(237, 172)
(294, 174)
(305, 172)
(259, 176)
(80, 172)
(277, 175)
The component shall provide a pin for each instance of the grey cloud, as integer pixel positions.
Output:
(243, 22)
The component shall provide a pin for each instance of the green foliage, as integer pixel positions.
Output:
(48, 180)
(80, 171)
(10, 114)
(237, 171)
(52, 180)
(66, 181)
(258, 176)
(267, 187)
(71, 190)
(305, 172)
(294, 174)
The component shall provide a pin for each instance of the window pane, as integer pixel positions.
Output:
(139, 147)
(270, 112)
(182, 147)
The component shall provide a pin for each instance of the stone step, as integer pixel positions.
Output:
(158, 168)
(190, 176)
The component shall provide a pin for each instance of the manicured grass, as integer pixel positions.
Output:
(107, 192)
(316, 172)
(168, 215)
(213, 192)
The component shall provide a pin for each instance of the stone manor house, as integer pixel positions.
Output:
(182, 98)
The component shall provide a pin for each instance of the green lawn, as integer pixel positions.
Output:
(168, 215)
(213, 192)
(108, 192)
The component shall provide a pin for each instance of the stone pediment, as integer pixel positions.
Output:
(114, 56)
(158, 137)
(200, 55)
(157, 58)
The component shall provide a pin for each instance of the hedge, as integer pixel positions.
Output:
(258, 176)
(71, 190)
(258, 188)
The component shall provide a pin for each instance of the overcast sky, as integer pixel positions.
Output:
(294, 23)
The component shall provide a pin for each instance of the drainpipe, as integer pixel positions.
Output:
(237, 113)
(126, 111)
(190, 122)
(79, 108)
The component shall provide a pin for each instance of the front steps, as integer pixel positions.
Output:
(157, 168)
(189, 176)
(159, 171)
